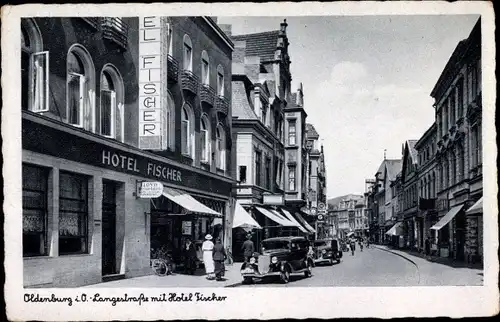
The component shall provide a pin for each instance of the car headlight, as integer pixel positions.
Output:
(274, 260)
(252, 260)
(323, 251)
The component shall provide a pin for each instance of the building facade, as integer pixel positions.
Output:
(458, 106)
(409, 190)
(103, 113)
(349, 215)
(426, 150)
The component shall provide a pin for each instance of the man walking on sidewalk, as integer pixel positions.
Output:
(428, 248)
(248, 248)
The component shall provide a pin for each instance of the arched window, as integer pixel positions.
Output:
(34, 69)
(112, 107)
(433, 184)
(187, 131)
(205, 68)
(220, 147)
(220, 81)
(80, 88)
(205, 139)
(188, 54)
(170, 122)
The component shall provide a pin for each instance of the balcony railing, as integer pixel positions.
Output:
(116, 30)
(207, 94)
(222, 105)
(189, 81)
(172, 70)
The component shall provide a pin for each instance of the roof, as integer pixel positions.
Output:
(413, 151)
(311, 131)
(240, 105)
(336, 201)
(393, 168)
(262, 44)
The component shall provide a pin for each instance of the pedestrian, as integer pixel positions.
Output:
(360, 245)
(219, 256)
(248, 248)
(428, 247)
(207, 247)
(352, 245)
(189, 257)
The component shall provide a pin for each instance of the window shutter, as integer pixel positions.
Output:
(39, 82)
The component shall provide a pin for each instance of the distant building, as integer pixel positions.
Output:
(351, 214)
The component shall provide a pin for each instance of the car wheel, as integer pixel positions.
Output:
(247, 280)
(285, 276)
(308, 271)
(330, 261)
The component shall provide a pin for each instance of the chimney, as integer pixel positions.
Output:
(300, 96)
(252, 68)
(239, 51)
(226, 29)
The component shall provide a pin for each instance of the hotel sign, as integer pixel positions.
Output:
(151, 66)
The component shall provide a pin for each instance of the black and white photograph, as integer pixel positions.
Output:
(194, 159)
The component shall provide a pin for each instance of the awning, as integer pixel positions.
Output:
(395, 230)
(447, 218)
(243, 219)
(349, 234)
(290, 217)
(305, 223)
(277, 218)
(188, 202)
(477, 208)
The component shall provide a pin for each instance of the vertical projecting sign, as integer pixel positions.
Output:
(150, 83)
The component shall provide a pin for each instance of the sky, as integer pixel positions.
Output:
(367, 82)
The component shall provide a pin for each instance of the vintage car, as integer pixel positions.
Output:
(326, 251)
(281, 257)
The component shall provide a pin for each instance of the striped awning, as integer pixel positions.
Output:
(276, 217)
(290, 217)
(477, 208)
(447, 218)
(305, 223)
(187, 202)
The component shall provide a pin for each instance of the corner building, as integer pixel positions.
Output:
(88, 144)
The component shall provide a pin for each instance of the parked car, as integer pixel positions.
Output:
(326, 251)
(280, 257)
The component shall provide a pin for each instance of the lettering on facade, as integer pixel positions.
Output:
(150, 83)
(122, 162)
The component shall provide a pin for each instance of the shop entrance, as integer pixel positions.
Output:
(460, 222)
(108, 228)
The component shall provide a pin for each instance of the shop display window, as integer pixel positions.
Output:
(73, 214)
(35, 182)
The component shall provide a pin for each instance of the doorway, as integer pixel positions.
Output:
(108, 228)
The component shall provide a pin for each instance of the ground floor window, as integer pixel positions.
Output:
(73, 213)
(35, 182)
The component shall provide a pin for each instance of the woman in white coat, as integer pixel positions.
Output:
(208, 261)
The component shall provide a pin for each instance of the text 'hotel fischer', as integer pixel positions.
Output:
(111, 104)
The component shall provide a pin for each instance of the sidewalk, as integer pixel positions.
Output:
(440, 271)
(231, 277)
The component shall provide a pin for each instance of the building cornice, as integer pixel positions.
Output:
(219, 32)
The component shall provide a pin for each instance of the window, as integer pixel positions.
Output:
(291, 178)
(264, 113)
(461, 163)
(472, 82)
(268, 173)
(205, 139)
(188, 54)
(460, 98)
(170, 122)
(205, 68)
(187, 131)
(220, 81)
(243, 174)
(73, 214)
(291, 132)
(453, 108)
(34, 69)
(79, 88)
(476, 146)
(111, 112)
(258, 157)
(220, 138)
(453, 169)
(35, 181)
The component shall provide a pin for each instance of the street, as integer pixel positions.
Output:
(377, 267)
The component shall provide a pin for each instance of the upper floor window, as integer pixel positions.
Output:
(292, 132)
(220, 81)
(258, 168)
(187, 131)
(264, 113)
(188, 53)
(34, 69)
(243, 174)
(80, 88)
(220, 138)
(169, 122)
(205, 68)
(205, 139)
(111, 109)
(291, 178)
